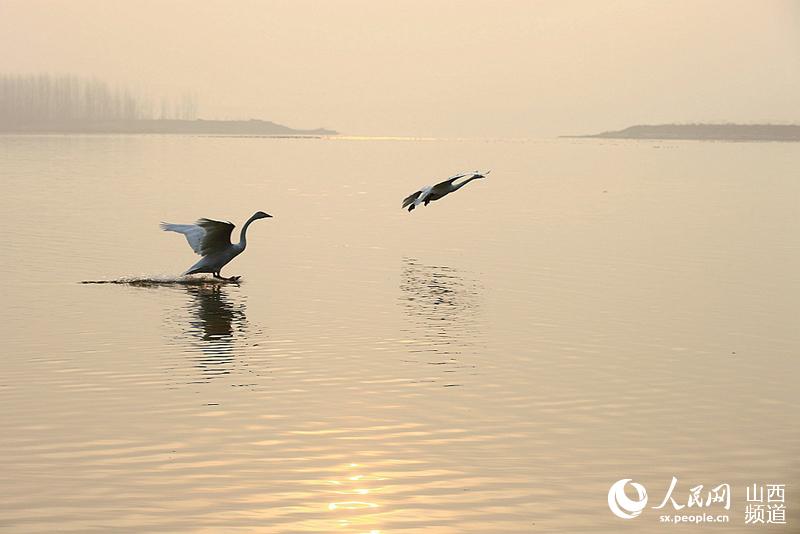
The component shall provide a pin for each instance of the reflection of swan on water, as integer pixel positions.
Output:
(217, 318)
(442, 305)
(216, 323)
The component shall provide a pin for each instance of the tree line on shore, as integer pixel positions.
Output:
(47, 98)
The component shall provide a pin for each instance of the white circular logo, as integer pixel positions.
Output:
(621, 505)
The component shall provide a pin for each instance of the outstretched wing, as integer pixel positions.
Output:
(206, 236)
(194, 234)
(450, 180)
(217, 235)
(418, 197)
(411, 198)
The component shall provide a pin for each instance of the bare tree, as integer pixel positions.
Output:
(44, 98)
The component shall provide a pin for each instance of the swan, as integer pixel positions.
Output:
(435, 192)
(212, 240)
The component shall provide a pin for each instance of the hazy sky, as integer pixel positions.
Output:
(439, 68)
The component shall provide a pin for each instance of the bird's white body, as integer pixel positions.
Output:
(212, 240)
(430, 193)
(214, 262)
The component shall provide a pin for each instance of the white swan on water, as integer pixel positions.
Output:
(212, 240)
(430, 193)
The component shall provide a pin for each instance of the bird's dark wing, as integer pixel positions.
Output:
(217, 237)
(449, 180)
(411, 198)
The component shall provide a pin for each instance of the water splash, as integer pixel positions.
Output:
(150, 281)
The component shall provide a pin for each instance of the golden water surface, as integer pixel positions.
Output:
(494, 362)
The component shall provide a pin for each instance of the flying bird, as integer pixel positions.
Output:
(212, 240)
(430, 193)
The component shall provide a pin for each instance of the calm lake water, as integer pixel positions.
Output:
(592, 311)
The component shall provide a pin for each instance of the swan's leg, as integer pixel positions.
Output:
(229, 279)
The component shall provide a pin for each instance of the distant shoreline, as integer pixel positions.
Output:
(252, 127)
(704, 132)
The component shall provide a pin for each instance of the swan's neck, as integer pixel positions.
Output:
(243, 234)
(465, 182)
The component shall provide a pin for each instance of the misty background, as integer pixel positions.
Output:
(421, 68)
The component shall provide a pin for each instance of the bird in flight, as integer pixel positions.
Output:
(430, 193)
(212, 240)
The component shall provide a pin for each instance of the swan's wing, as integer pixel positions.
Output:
(423, 195)
(411, 198)
(205, 237)
(217, 235)
(418, 197)
(194, 234)
(451, 180)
